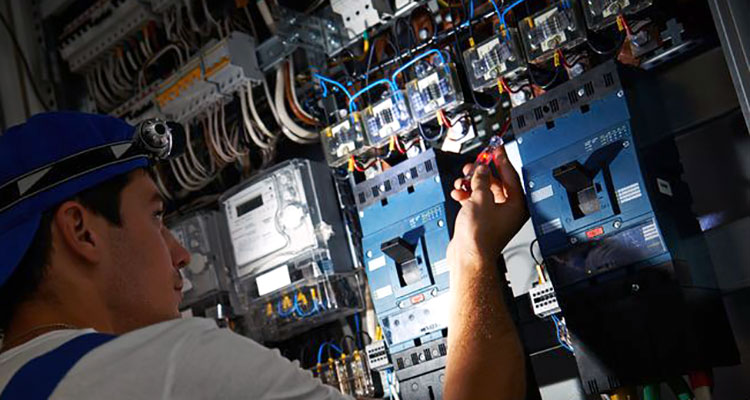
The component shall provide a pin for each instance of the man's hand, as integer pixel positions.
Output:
(490, 215)
(485, 358)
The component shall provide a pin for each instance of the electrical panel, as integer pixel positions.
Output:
(206, 277)
(616, 230)
(555, 28)
(386, 118)
(497, 57)
(286, 239)
(404, 239)
(389, 88)
(435, 88)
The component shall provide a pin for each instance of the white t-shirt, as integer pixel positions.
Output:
(181, 359)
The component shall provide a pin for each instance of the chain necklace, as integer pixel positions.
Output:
(51, 327)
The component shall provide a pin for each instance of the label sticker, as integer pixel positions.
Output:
(441, 267)
(628, 193)
(383, 292)
(650, 232)
(376, 263)
(664, 187)
(272, 280)
(541, 194)
(550, 226)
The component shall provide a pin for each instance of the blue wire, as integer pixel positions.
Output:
(283, 314)
(471, 9)
(393, 88)
(323, 346)
(359, 332)
(414, 60)
(332, 82)
(502, 18)
(559, 338)
(497, 10)
(320, 352)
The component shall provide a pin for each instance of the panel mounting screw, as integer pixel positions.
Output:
(617, 224)
(573, 240)
(626, 144)
(531, 184)
(620, 93)
(369, 253)
(581, 92)
(519, 140)
(635, 287)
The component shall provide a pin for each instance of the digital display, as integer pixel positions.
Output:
(249, 205)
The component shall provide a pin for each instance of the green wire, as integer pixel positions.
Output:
(652, 392)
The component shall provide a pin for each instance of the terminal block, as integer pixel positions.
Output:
(434, 89)
(344, 139)
(387, 118)
(555, 28)
(99, 28)
(603, 13)
(494, 58)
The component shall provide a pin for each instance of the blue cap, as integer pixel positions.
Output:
(49, 159)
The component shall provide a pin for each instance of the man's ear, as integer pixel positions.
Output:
(80, 230)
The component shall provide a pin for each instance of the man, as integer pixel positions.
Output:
(91, 285)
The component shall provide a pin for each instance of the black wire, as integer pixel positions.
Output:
(26, 67)
(531, 250)
(369, 338)
(343, 341)
(548, 84)
(617, 46)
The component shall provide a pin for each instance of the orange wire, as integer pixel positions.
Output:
(290, 100)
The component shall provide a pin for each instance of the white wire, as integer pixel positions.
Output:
(294, 92)
(294, 132)
(124, 69)
(191, 155)
(147, 42)
(160, 184)
(211, 18)
(246, 119)
(100, 83)
(93, 91)
(223, 144)
(193, 24)
(132, 62)
(177, 173)
(232, 143)
(214, 139)
(110, 73)
(255, 115)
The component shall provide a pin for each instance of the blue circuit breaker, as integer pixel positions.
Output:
(621, 245)
(405, 235)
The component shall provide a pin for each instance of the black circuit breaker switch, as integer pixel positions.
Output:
(578, 182)
(573, 176)
(402, 253)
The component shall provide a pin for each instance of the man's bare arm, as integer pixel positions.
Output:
(485, 358)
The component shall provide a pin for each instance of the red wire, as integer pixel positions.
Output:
(398, 145)
(564, 60)
(626, 25)
(507, 87)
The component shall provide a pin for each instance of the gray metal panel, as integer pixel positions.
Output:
(730, 17)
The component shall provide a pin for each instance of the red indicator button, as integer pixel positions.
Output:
(417, 299)
(594, 232)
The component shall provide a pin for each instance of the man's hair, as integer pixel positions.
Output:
(103, 200)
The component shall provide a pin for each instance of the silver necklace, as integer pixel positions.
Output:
(50, 327)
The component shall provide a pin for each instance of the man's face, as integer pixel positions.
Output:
(144, 285)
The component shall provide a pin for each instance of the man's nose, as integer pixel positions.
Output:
(180, 255)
